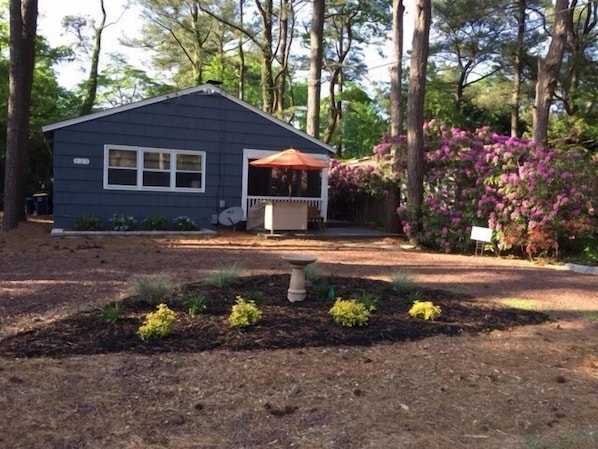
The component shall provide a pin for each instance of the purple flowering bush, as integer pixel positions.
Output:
(530, 196)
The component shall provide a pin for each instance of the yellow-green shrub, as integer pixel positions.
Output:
(244, 313)
(157, 324)
(349, 313)
(424, 309)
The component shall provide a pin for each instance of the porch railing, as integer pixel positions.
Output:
(253, 200)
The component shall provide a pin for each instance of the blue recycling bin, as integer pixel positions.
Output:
(42, 204)
(29, 205)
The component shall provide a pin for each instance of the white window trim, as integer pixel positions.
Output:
(140, 151)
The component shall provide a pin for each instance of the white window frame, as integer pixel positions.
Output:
(140, 169)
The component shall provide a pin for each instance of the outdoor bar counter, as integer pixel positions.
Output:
(285, 216)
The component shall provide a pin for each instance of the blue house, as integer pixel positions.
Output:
(182, 154)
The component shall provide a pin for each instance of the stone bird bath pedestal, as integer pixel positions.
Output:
(298, 262)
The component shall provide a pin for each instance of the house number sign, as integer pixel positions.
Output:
(81, 161)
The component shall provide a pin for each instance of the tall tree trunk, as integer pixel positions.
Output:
(393, 196)
(548, 71)
(283, 50)
(396, 71)
(266, 11)
(23, 25)
(415, 112)
(521, 6)
(91, 85)
(242, 68)
(314, 81)
(344, 44)
(333, 105)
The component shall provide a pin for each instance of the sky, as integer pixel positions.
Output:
(49, 25)
(51, 13)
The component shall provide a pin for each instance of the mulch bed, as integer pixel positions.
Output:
(284, 324)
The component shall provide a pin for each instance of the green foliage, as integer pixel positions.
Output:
(88, 222)
(313, 272)
(244, 313)
(402, 282)
(323, 289)
(225, 276)
(362, 125)
(111, 312)
(349, 313)
(120, 83)
(195, 303)
(412, 296)
(369, 300)
(184, 223)
(424, 309)
(154, 223)
(157, 324)
(153, 289)
(575, 132)
(49, 103)
(256, 297)
(122, 222)
(583, 251)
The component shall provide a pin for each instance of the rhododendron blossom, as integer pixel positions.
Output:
(529, 195)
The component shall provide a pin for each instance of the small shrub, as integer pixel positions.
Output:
(154, 223)
(412, 297)
(369, 300)
(323, 290)
(111, 312)
(590, 252)
(224, 277)
(88, 222)
(153, 290)
(184, 223)
(402, 282)
(256, 297)
(349, 313)
(157, 324)
(244, 313)
(122, 222)
(195, 303)
(313, 272)
(424, 309)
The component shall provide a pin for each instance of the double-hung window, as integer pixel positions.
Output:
(133, 168)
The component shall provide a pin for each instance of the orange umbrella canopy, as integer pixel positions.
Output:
(291, 158)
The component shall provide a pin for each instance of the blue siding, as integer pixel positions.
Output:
(197, 122)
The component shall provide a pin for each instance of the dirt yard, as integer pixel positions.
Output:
(532, 386)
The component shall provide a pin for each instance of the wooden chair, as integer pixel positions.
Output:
(314, 218)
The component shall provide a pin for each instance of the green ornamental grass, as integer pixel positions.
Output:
(153, 289)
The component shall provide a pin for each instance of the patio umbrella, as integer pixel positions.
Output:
(290, 159)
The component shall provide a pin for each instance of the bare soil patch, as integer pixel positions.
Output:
(531, 386)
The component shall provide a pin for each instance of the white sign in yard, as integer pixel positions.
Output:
(481, 234)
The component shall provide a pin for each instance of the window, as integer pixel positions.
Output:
(153, 169)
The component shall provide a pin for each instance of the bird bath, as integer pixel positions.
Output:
(298, 262)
